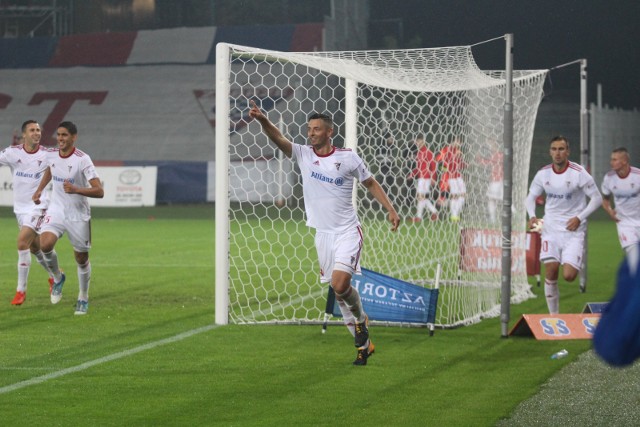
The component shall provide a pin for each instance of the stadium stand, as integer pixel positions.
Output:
(139, 98)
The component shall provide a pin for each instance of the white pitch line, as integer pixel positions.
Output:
(105, 359)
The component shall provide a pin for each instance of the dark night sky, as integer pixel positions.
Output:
(547, 33)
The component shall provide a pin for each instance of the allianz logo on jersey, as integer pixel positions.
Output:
(320, 177)
(22, 174)
(559, 196)
(58, 179)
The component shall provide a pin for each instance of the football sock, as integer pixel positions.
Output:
(352, 299)
(40, 258)
(347, 317)
(420, 209)
(51, 259)
(552, 294)
(84, 277)
(24, 263)
(425, 203)
(454, 206)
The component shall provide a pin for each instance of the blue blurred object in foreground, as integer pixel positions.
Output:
(617, 336)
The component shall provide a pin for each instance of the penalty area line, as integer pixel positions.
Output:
(105, 359)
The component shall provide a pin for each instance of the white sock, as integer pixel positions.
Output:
(352, 299)
(84, 278)
(40, 258)
(552, 294)
(24, 263)
(347, 317)
(51, 260)
(420, 209)
(460, 205)
(455, 207)
(430, 206)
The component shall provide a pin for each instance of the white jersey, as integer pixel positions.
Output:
(327, 184)
(78, 169)
(626, 195)
(27, 169)
(566, 195)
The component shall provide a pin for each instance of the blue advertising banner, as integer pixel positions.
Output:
(388, 299)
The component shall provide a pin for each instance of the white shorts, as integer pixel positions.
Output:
(33, 220)
(628, 234)
(495, 190)
(457, 187)
(339, 252)
(79, 232)
(565, 247)
(423, 186)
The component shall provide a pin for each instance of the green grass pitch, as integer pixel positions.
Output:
(147, 353)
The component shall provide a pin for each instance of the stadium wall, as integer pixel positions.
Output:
(142, 98)
(136, 96)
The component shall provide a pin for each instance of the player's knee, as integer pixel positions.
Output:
(570, 275)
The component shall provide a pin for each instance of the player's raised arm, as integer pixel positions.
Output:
(272, 132)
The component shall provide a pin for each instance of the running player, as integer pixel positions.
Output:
(27, 162)
(328, 175)
(567, 186)
(74, 179)
(622, 184)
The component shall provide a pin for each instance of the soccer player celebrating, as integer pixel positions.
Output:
(425, 172)
(452, 163)
(328, 175)
(567, 186)
(27, 162)
(623, 183)
(74, 179)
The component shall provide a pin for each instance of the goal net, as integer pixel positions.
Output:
(381, 101)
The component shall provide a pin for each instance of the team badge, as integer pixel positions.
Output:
(338, 166)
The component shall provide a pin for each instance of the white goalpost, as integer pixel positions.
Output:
(266, 266)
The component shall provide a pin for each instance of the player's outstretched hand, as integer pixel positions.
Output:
(255, 112)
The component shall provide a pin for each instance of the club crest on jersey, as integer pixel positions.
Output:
(317, 163)
(568, 184)
(70, 167)
(338, 165)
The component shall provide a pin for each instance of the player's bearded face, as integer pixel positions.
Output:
(559, 152)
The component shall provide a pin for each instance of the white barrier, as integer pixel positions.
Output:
(124, 186)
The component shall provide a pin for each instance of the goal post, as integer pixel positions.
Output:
(381, 101)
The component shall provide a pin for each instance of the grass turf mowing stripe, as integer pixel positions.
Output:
(105, 359)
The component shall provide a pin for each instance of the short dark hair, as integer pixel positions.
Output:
(27, 123)
(620, 150)
(559, 138)
(623, 151)
(73, 130)
(324, 117)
